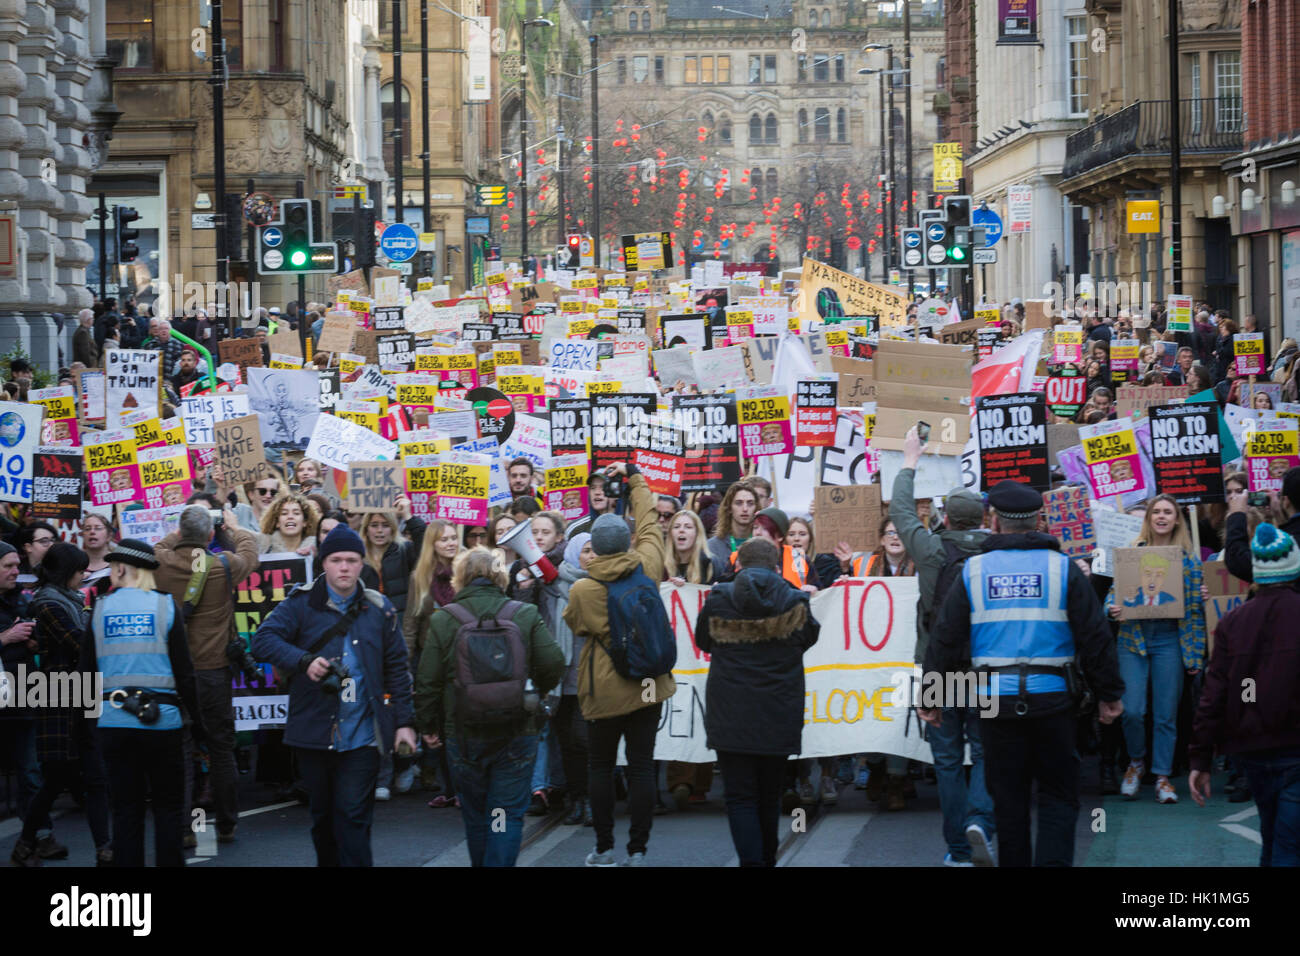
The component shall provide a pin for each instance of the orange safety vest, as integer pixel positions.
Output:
(794, 567)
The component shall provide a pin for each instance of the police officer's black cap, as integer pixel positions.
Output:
(1011, 499)
(138, 554)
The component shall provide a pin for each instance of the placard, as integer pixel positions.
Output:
(1186, 453)
(720, 367)
(56, 483)
(1271, 451)
(288, 402)
(463, 481)
(242, 352)
(240, 451)
(389, 318)
(826, 292)
(1110, 454)
(1012, 431)
(111, 469)
(375, 486)
(1149, 582)
(816, 401)
(849, 513)
(132, 380)
(91, 400)
(1069, 520)
(570, 426)
(1130, 399)
(1178, 313)
(1114, 529)
(165, 475)
(337, 332)
(660, 455)
(337, 443)
(1067, 344)
(764, 416)
(60, 426)
(616, 423)
(396, 349)
(422, 484)
(1227, 593)
(20, 434)
(1248, 353)
(1123, 358)
(150, 525)
(566, 485)
(199, 415)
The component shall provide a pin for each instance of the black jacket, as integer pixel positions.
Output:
(13, 606)
(1094, 647)
(756, 628)
(1236, 543)
(398, 563)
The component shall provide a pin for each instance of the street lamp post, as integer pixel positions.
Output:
(523, 134)
(887, 165)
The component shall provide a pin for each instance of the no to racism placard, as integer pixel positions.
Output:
(1012, 434)
(1185, 452)
(566, 485)
(111, 468)
(1110, 454)
(712, 439)
(764, 415)
(1271, 451)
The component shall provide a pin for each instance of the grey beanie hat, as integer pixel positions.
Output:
(610, 535)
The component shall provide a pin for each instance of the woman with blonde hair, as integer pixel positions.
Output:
(289, 525)
(686, 559)
(1158, 652)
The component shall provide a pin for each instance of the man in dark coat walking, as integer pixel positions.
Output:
(756, 627)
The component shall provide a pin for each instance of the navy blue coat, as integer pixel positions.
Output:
(376, 635)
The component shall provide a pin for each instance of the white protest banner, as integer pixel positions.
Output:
(855, 677)
(20, 433)
(1114, 529)
(151, 525)
(337, 443)
(133, 380)
(531, 439)
(198, 415)
(574, 353)
(720, 368)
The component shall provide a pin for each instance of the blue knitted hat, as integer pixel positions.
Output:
(341, 538)
(1275, 559)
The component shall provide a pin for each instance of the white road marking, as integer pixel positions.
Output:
(268, 808)
(828, 842)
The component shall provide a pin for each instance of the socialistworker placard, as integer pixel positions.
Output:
(712, 439)
(616, 421)
(1185, 452)
(1013, 440)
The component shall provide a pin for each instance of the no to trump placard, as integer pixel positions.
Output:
(1110, 454)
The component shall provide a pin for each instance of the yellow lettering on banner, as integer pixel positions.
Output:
(1106, 447)
(753, 410)
(113, 454)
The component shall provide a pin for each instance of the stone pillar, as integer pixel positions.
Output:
(373, 132)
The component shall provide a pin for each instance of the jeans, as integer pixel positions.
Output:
(342, 791)
(640, 728)
(145, 764)
(1275, 784)
(1019, 751)
(571, 733)
(752, 785)
(219, 721)
(542, 765)
(962, 803)
(492, 775)
(1163, 664)
(18, 746)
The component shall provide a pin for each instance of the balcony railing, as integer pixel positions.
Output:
(1208, 125)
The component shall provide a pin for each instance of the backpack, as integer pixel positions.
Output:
(948, 575)
(491, 667)
(641, 639)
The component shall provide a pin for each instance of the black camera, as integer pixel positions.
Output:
(142, 708)
(332, 682)
(238, 655)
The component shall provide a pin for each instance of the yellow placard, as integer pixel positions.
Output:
(1142, 215)
(1119, 444)
(762, 410)
(565, 477)
(463, 480)
(413, 449)
(148, 432)
(110, 454)
(174, 434)
(598, 388)
(947, 167)
(56, 409)
(423, 478)
(161, 471)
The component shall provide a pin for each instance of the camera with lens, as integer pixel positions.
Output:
(238, 655)
(335, 675)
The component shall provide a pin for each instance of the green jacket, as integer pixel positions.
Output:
(435, 692)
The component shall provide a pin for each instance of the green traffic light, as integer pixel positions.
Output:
(298, 257)
(957, 252)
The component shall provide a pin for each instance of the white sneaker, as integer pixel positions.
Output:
(981, 853)
(382, 793)
(636, 859)
(405, 780)
(949, 861)
(601, 859)
(1165, 792)
(830, 792)
(1132, 781)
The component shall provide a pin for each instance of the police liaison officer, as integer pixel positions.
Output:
(137, 641)
(1025, 616)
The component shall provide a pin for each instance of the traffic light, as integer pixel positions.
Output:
(286, 245)
(124, 236)
(959, 248)
(365, 238)
(234, 211)
(574, 246)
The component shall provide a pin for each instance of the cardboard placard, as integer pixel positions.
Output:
(1227, 592)
(1060, 435)
(337, 332)
(375, 485)
(826, 292)
(239, 449)
(961, 333)
(242, 352)
(853, 512)
(1149, 583)
(1069, 520)
(1133, 398)
(857, 380)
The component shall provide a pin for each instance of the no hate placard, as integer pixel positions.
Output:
(1185, 452)
(1013, 440)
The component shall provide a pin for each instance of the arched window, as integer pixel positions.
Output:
(632, 21)
(822, 125)
(803, 126)
(755, 130)
(645, 21)
(773, 190)
(724, 129)
(841, 126)
(756, 183)
(706, 120)
(826, 17)
(387, 114)
(812, 18)
(769, 128)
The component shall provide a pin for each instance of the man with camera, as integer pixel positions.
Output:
(203, 584)
(341, 647)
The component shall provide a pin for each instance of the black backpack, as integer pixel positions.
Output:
(948, 575)
(491, 667)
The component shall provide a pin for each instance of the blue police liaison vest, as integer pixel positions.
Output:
(131, 628)
(1019, 615)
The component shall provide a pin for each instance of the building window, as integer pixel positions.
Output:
(755, 68)
(706, 120)
(691, 74)
(802, 67)
(645, 21)
(640, 69)
(769, 129)
(632, 22)
(755, 130)
(756, 185)
(232, 31)
(769, 68)
(822, 125)
(724, 70)
(276, 10)
(621, 66)
(1227, 91)
(821, 68)
(772, 188)
(812, 18)
(659, 69)
(724, 130)
(386, 115)
(706, 70)
(941, 74)
(385, 18)
(1076, 40)
(1197, 102)
(129, 30)
(841, 126)
(839, 67)
(802, 120)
